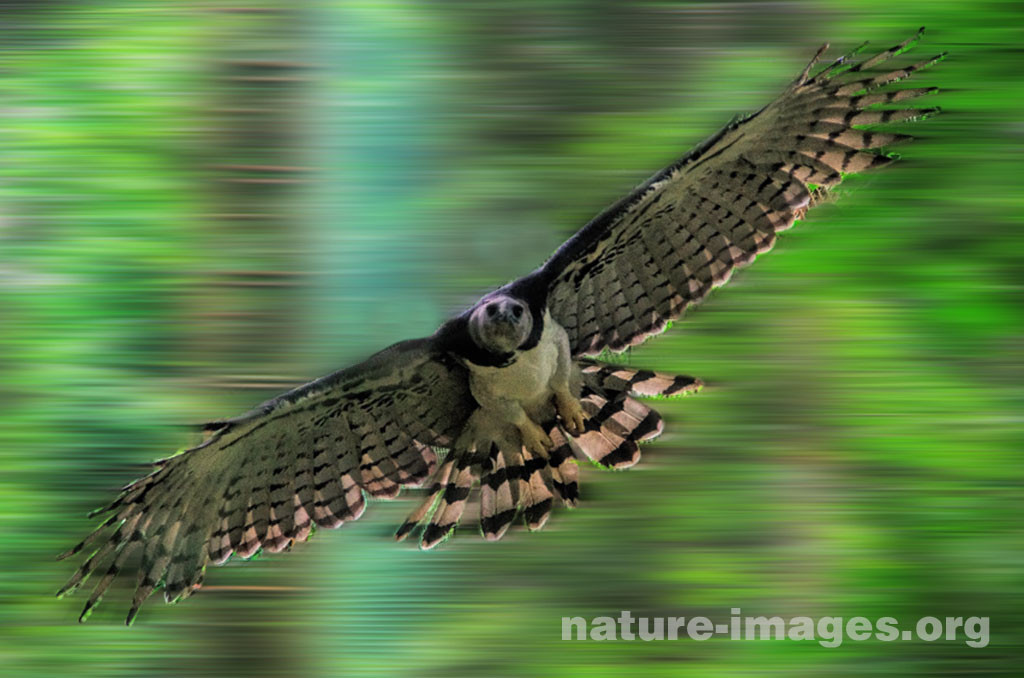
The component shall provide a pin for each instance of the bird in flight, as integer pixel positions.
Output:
(510, 387)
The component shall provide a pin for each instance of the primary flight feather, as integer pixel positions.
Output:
(508, 386)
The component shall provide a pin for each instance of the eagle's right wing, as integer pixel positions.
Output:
(262, 480)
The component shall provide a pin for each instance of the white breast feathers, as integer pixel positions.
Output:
(528, 379)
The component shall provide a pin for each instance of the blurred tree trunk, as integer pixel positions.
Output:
(247, 305)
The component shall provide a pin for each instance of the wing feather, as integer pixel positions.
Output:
(310, 456)
(260, 480)
(643, 261)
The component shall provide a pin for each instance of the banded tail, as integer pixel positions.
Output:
(514, 482)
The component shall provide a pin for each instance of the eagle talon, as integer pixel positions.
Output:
(574, 419)
(535, 439)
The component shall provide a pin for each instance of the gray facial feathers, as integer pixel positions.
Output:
(500, 323)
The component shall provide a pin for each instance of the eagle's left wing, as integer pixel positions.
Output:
(266, 478)
(641, 262)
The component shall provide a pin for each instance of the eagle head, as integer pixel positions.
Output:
(500, 323)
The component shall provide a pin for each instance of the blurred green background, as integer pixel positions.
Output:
(204, 203)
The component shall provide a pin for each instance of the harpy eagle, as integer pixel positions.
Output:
(509, 387)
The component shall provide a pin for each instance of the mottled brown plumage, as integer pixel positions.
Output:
(311, 456)
(641, 262)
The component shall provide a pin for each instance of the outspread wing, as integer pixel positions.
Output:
(643, 261)
(264, 479)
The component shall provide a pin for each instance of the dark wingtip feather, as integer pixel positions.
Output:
(883, 159)
(649, 427)
(810, 65)
(537, 515)
(683, 385)
(569, 492)
(77, 548)
(404, 529)
(76, 579)
(494, 527)
(434, 534)
(839, 65)
(87, 610)
(214, 426)
(625, 455)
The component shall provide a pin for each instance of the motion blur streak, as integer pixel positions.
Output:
(206, 202)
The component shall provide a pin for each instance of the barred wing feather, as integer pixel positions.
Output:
(265, 479)
(643, 261)
(308, 458)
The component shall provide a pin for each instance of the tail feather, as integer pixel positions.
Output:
(514, 481)
(644, 423)
(606, 440)
(617, 421)
(453, 503)
(536, 495)
(497, 501)
(425, 507)
(564, 471)
(602, 377)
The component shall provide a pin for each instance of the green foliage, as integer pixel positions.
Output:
(856, 450)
